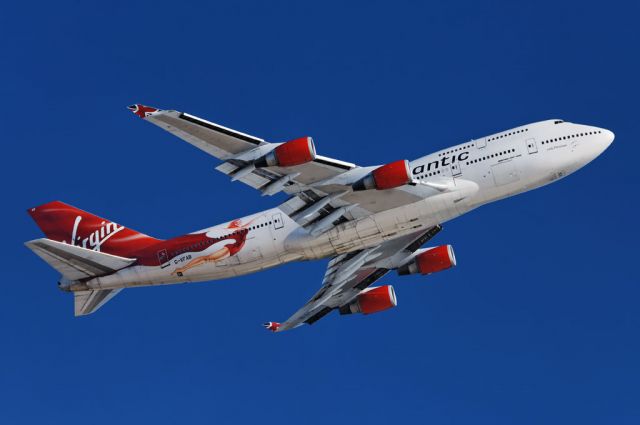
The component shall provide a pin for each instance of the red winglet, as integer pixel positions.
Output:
(141, 110)
(272, 326)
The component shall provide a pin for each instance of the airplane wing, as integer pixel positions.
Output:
(349, 274)
(229, 146)
(320, 189)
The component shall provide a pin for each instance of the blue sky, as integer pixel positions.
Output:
(538, 323)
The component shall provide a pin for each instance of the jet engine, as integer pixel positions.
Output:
(388, 176)
(431, 261)
(372, 300)
(294, 152)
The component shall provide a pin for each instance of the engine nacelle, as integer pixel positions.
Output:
(388, 176)
(431, 261)
(288, 154)
(372, 300)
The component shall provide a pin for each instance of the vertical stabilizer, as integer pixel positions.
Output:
(64, 223)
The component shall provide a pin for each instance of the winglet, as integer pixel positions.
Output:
(142, 111)
(271, 326)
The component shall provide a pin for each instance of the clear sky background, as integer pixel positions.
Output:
(538, 323)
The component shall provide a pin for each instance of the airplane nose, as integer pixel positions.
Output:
(608, 137)
(603, 141)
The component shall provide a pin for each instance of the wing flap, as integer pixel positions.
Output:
(218, 141)
(233, 146)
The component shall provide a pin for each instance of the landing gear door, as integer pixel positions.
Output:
(532, 147)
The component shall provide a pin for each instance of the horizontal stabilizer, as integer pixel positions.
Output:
(86, 302)
(76, 263)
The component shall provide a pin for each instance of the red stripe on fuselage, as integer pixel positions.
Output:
(193, 243)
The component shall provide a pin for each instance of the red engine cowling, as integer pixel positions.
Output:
(431, 261)
(294, 152)
(372, 300)
(388, 176)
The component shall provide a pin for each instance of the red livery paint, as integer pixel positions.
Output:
(377, 299)
(271, 326)
(388, 176)
(64, 223)
(436, 260)
(392, 175)
(141, 110)
(295, 152)
(164, 251)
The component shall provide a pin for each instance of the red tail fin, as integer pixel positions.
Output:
(64, 223)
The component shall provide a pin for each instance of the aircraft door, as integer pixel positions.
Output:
(274, 226)
(481, 143)
(532, 147)
(278, 223)
(448, 173)
(456, 169)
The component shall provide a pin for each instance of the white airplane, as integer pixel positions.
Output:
(368, 219)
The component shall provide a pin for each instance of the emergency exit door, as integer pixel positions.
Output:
(532, 147)
(278, 223)
(456, 169)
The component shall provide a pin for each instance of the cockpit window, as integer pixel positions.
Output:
(558, 122)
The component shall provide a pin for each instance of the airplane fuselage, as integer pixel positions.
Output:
(448, 183)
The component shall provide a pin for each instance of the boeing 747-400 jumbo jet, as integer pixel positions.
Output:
(368, 220)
